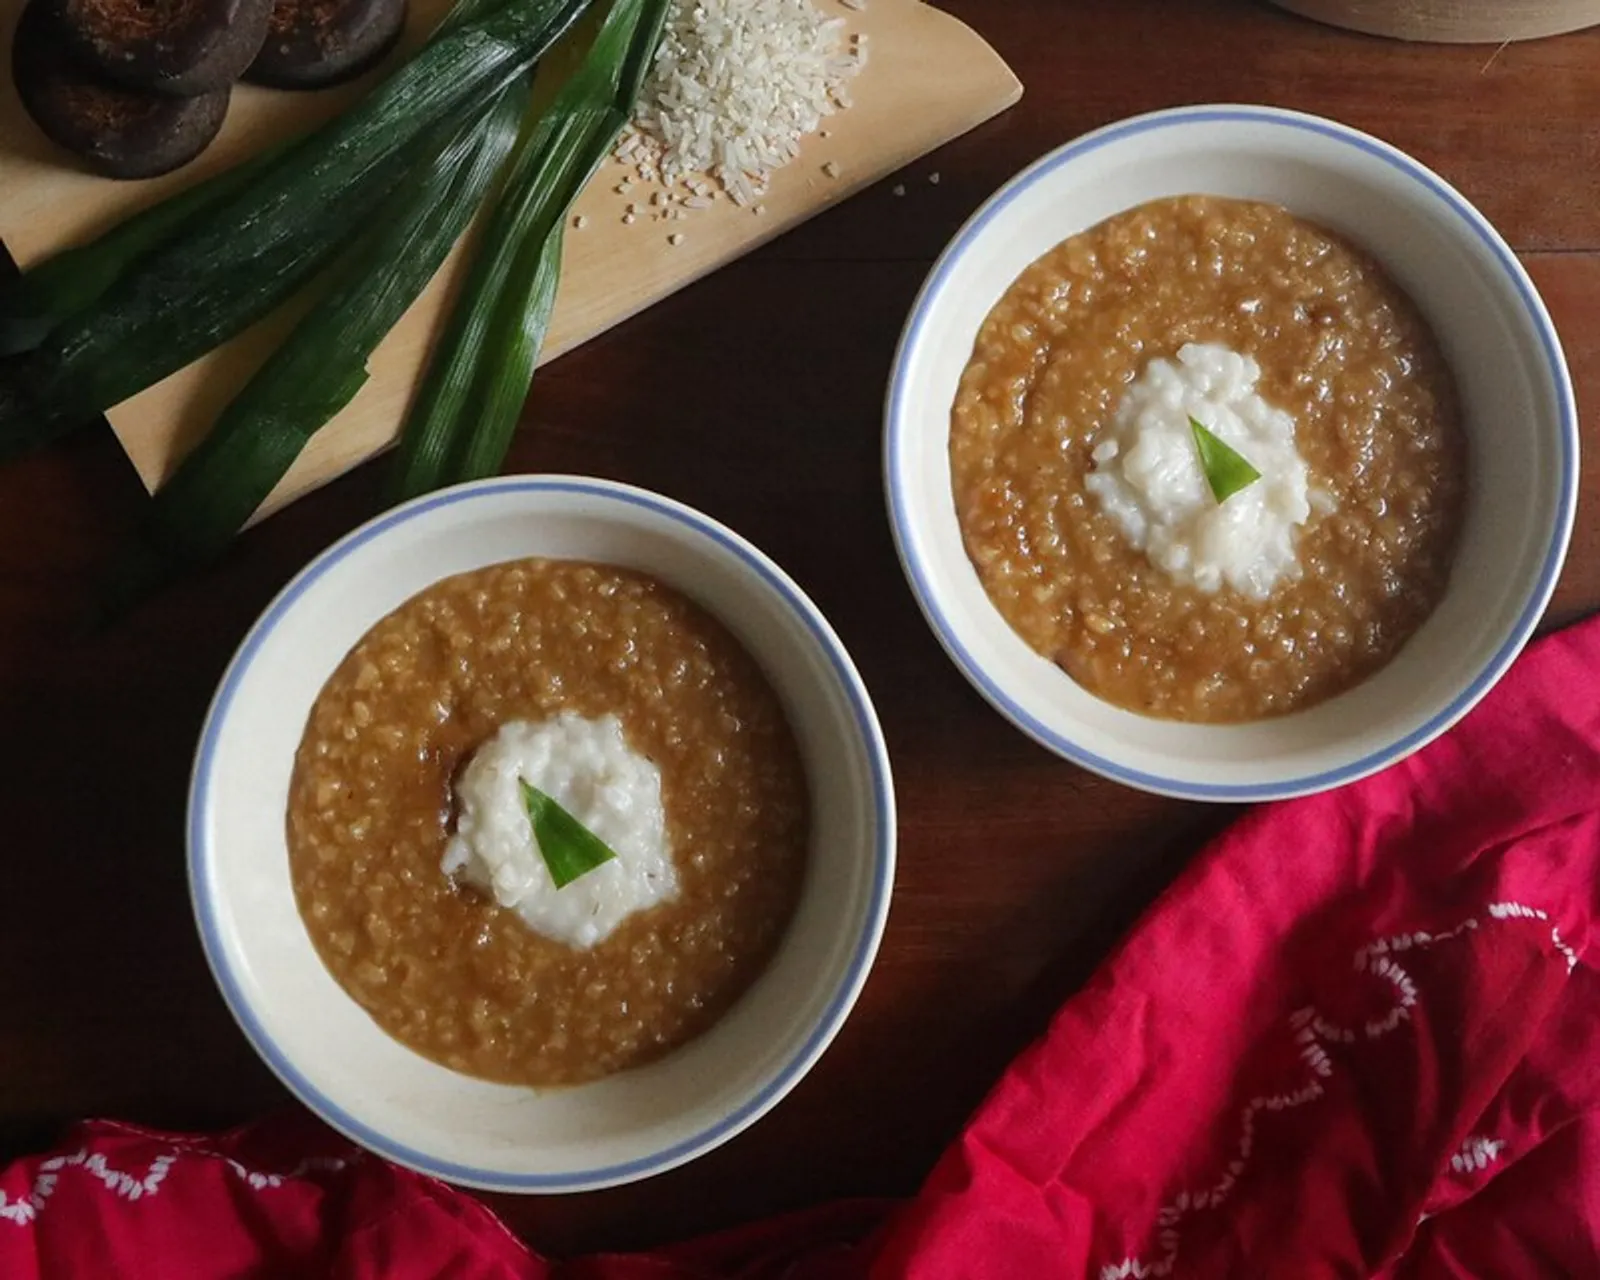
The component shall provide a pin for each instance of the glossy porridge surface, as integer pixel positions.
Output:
(1340, 347)
(447, 971)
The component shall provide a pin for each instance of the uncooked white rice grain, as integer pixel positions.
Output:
(735, 86)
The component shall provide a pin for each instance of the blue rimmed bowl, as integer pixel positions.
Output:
(1521, 423)
(325, 1048)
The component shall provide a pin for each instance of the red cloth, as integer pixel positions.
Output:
(1358, 1037)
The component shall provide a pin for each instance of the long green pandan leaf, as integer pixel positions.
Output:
(323, 363)
(467, 409)
(39, 299)
(229, 269)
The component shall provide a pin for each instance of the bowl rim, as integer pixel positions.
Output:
(1469, 221)
(203, 891)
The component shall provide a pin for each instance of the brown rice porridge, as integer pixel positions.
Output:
(449, 972)
(1340, 347)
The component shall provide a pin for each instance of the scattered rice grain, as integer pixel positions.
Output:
(735, 86)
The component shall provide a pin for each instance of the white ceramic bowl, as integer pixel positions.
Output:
(330, 1053)
(1521, 423)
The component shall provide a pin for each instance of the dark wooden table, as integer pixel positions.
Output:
(754, 396)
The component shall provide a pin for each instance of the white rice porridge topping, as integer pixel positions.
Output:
(587, 767)
(1148, 478)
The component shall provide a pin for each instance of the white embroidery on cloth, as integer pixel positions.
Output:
(1477, 1153)
(251, 1177)
(1512, 910)
(321, 1164)
(1311, 1032)
(25, 1209)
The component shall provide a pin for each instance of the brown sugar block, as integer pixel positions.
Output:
(314, 43)
(180, 47)
(117, 131)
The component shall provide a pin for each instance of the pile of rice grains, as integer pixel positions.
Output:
(736, 85)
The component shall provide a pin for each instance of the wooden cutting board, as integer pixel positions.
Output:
(928, 79)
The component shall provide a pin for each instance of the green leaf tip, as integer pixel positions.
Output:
(569, 848)
(1227, 470)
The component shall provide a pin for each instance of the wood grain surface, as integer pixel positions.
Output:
(754, 395)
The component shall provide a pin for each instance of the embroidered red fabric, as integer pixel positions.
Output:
(1357, 1037)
